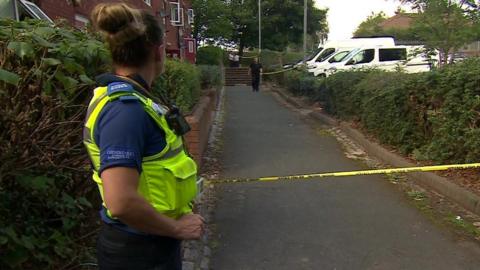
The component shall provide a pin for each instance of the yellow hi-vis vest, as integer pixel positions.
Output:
(168, 178)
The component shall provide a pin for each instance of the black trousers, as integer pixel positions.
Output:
(120, 250)
(255, 83)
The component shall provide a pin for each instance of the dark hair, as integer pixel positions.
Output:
(131, 34)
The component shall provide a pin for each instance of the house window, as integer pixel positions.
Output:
(175, 13)
(148, 2)
(181, 18)
(34, 11)
(177, 17)
(191, 16)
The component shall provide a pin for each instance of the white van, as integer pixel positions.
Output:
(387, 58)
(299, 63)
(328, 49)
(333, 59)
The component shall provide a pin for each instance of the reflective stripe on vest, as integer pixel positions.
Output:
(168, 178)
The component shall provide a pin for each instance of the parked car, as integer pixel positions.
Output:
(335, 58)
(389, 58)
(327, 50)
(299, 63)
(322, 62)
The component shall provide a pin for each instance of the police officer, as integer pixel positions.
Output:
(255, 72)
(145, 177)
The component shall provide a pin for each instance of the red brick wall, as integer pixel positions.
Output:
(61, 9)
(58, 9)
(201, 122)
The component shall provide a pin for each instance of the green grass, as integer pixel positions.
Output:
(463, 224)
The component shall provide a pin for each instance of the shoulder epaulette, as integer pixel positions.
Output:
(118, 87)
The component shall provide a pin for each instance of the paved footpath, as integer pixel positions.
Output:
(347, 223)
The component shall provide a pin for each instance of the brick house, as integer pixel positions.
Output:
(176, 15)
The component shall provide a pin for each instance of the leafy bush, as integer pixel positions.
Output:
(434, 115)
(338, 93)
(180, 83)
(211, 76)
(272, 60)
(45, 80)
(209, 55)
(454, 113)
(292, 57)
(388, 108)
(302, 83)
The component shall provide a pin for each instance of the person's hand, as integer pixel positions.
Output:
(189, 227)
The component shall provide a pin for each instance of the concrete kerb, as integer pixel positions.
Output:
(196, 254)
(442, 185)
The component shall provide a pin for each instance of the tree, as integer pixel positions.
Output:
(371, 26)
(212, 20)
(446, 25)
(466, 5)
(245, 23)
(282, 22)
(237, 21)
(470, 8)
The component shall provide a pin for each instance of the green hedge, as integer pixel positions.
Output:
(209, 55)
(180, 83)
(210, 76)
(432, 116)
(46, 195)
(46, 81)
(301, 83)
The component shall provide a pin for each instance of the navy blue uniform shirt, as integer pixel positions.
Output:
(125, 133)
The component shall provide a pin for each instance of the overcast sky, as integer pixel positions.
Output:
(345, 15)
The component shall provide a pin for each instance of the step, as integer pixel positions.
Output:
(237, 74)
(238, 79)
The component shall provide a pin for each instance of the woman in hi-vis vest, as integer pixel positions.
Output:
(145, 177)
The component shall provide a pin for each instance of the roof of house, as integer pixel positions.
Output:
(399, 21)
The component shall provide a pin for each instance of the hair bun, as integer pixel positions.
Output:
(118, 22)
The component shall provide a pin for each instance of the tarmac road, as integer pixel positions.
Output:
(343, 223)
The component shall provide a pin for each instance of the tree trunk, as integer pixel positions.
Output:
(452, 59)
(443, 57)
(241, 46)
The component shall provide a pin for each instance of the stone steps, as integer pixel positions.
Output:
(237, 76)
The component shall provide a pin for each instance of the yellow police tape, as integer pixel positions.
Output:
(343, 174)
(276, 72)
(249, 57)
